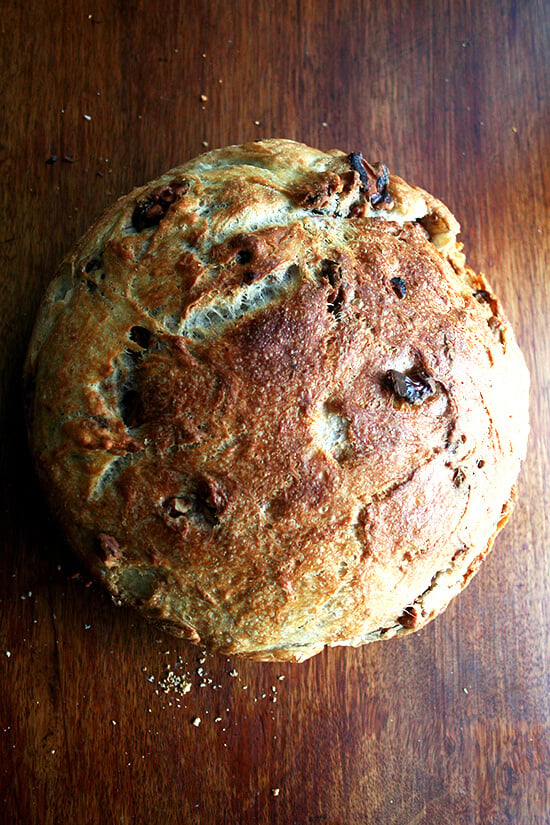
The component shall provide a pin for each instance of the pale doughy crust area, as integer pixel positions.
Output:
(272, 407)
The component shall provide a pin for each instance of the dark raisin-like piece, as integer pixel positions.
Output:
(244, 256)
(413, 388)
(93, 264)
(147, 213)
(409, 618)
(375, 179)
(249, 277)
(485, 297)
(331, 272)
(459, 477)
(130, 408)
(383, 178)
(382, 175)
(399, 287)
(140, 336)
(52, 159)
(152, 209)
(356, 163)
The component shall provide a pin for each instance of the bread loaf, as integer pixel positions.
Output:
(272, 407)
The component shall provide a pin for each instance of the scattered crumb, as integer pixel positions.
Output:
(173, 682)
(8, 653)
(113, 722)
(257, 123)
(324, 124)
(196, 721)
(465, 690)
(275, 791)
(233, 672)
(204, 98)
(205, 143)
(87, 117)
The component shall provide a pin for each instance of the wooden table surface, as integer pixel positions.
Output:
(448, 727)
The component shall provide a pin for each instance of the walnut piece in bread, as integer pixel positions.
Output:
(271, 405)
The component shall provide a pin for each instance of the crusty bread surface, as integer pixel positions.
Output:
(271, 405)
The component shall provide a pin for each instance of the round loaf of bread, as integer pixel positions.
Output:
(271, 405)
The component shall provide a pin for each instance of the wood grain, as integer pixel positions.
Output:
(449, 727)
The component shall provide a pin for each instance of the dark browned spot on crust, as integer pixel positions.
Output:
(130, 408)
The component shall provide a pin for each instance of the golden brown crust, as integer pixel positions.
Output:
(272, 406)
